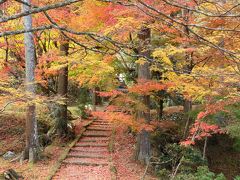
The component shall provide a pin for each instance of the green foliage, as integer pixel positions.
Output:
(193, 113)
(191, 159)
(235, 109)
(83, 101)
(202, 173)
(162, 137)
(237, 178)
(45, 121)
(236, 144)
(237, 113)
(233, 128)
(81, 110)
(173, 153)
(185, 177)
(79, 98)
(163, 174)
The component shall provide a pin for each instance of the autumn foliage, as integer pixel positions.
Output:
(134, 57)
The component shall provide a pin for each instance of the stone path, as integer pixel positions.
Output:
(89, 158)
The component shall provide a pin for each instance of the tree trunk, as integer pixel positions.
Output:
(187, 107)
(160, 109)
(62, 90)
(94, 99)
(31, 151)
(98, 98)
(143, 139)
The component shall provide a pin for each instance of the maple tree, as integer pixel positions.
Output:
(134, 54)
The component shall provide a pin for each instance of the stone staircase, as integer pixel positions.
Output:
(92, 150)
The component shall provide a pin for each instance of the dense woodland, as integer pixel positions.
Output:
(163, 73)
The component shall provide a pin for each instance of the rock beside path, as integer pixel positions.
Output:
(9, 155)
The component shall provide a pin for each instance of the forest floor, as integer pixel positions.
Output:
(12, 139)
(39, 170)
(116, 155)
(221, 156)
(123, 157)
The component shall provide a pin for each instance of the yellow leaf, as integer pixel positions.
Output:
(141, 61)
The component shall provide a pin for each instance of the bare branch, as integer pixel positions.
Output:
(9, 33)
(7, 104)
(183, 23)
(38, 10)
(222, 15)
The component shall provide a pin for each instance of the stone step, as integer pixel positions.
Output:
(97, 122)
(96, 134)
(99, 129)
(86, 156)
(106, 123)
(89, 151)
(91, 145)
(99, 142)
(80, 163)
(86, 161)
(100, 126)
(94, 139)
(101, 121)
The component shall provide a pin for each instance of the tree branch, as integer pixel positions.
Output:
(7, 104)
(2, 1)
(9, 33)
(223, 15)
(38, 10)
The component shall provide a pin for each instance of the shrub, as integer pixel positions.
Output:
(172, 154)
(202, 173)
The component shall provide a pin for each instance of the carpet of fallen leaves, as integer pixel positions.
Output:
(12, 139)
(123, 159)
(11, 133)
(36, 171)
(70, 172)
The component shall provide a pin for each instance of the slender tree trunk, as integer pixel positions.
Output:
(62, 118)
(94, 98)
(31, 151)
(205, 148)
(160, 109)
(98, 98)
(143, 139)
(187, 105)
